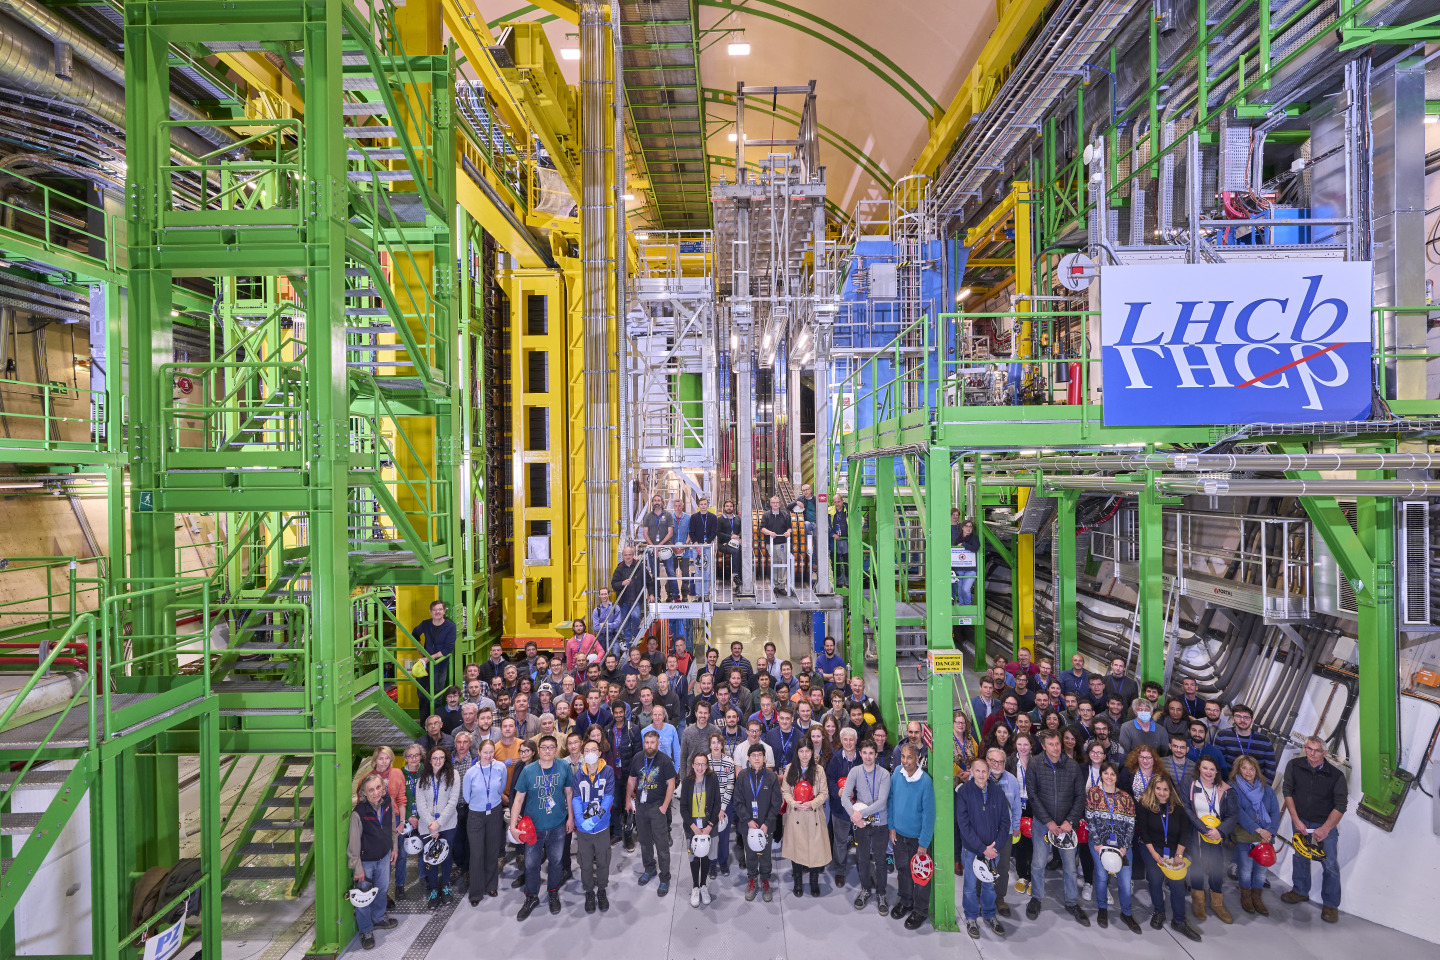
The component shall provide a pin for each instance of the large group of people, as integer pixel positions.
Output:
(551, 759)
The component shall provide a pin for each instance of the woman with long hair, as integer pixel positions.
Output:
(700, 808)
(807, 841)
(965, 746)
(1163, 828)
(1050, 720)
(1000, 736)
(1210, 804)
(1110, 816)
(1141, 766)
(437, 796)
(723, 767)
(832, 735)
(823, 753)
(1257, 818)
(1020, 760)
(382, 762)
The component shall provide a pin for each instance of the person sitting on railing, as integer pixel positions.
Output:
(606, 619)
(632, 584)
(775, 529)
(658, 530)
(727, 537)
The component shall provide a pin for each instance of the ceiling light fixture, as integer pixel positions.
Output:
(960, 297)
(627, 196)
(738, 48)
(569, 53)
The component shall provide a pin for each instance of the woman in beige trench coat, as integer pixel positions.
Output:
(807, 841)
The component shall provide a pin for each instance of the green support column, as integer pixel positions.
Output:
(855, 570)
(1151, 575)
(888, 682)
(1067, 631)
(940, 690)
(1378, 682)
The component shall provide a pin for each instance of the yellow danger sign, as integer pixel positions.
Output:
(947, 662)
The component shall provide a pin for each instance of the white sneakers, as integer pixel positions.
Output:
(1087, 890)
(705, 894)
(695, 897)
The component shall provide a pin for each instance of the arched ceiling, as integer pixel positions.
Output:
(883, 71)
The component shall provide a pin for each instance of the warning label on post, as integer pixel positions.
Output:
(947, 662)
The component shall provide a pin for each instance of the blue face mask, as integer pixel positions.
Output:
(1143, 716)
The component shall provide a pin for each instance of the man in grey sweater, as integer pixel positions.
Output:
(696, 737)
(864, 797)
(1055, 785)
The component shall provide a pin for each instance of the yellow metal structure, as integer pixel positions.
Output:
(1024, 586)
(1016, 19)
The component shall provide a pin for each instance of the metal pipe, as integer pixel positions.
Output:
(1222, 462)
(622, 253)
(101, 60)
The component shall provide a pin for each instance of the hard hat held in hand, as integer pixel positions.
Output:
(804, 793)
(363, 893)
(922, 868)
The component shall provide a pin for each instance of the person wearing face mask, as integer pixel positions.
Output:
(1143, 729)
(590, 803)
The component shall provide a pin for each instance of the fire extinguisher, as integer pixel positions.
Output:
(1072, 389)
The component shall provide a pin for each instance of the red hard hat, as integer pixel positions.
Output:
(1082, 832)
(804, 793)
(1263, 854)
(840, 784)
(525, 830)
(922, 868)
(1026, 826)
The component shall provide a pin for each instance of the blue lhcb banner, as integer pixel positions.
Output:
(1196, 344)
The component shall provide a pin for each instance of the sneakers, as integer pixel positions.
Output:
(765, 893)
(663, 889)
(646, 877)
(527, 908)
(973, 928)
(518, 882)
(1032, 909)
(589, 901)
(554, 901)
(750, 891)
(899, 911)
(996, 927)
(434, 900)
(629, 844)
(725, 870)
(1087, 890)
(1078, 912)
(862, 900)
(694, 896)
(602, 900)
(883, 906)
(705, 894)
(389, 923)
(367, 940)
(1157, 920)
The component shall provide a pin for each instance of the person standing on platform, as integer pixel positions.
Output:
(436, 639)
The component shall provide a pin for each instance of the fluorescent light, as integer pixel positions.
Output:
(627, 196)
(569, 53)
(738, 48)
(1432, 118)
(642, 236)
(960, 297)
(732, 138)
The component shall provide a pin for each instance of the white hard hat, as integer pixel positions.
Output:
(700, 845)
(436, 850)
(413, 844)
(1111, 859)
(756, 839)
(363, 894)
(983, 870)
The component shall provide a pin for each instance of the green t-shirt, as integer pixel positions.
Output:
(544, 791)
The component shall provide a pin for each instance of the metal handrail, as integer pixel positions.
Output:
(50, 421)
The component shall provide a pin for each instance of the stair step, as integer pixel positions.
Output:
(384, 176)
(273, 801)
(264, 645)
(359, 83)
(376, 153)
(260, 873)
(358, 293)
(357, 272)
(368, 133)
(289, 781)
(374, 347)
(348, 58)
(363, 109)
(8, 777)
(366, 312)
(236, 46)
(17, 823)
(264, 849)
(377, 328)
(267, 823)
(370, 364)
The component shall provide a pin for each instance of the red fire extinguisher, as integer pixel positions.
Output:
(1072, 389)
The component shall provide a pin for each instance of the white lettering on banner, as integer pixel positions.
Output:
(1297, 332)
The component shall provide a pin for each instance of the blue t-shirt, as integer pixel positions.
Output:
(827, 662)
(545, 793)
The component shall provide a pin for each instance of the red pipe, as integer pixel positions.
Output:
(30, 661)
(21, 645)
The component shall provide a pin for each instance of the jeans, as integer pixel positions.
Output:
(400, 869)
(729, 560)
(1158, 883)
(810, 546)
(721, 842)
(1207, 865)
(1102, 883)
(378, 873)
(437, 877)
(622, 825)
(1329, 869)
(779, 563)
(701, 584)
(1250, 874)
(978, 900)
(1040, 856)
(669, 565)
(909, 894)
(630, 627)
(549, 844)
(964, 591)
(594, 859)
(653, 828)
(870, 843)
(487, 845)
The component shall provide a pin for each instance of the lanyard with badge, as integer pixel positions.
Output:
(645, 779)
(1176, 767)
(488, 804)
(755, 795)
(1110, 808)
(1165, 828)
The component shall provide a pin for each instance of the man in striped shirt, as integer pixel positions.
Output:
(1242, 738)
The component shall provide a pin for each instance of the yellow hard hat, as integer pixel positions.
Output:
(1174, 872)
(870, 719)
(1211, 821)
(420, 668)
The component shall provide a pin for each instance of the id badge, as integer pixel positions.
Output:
(644, 795)
(549, 804)
(1113, 839)
(754, 810)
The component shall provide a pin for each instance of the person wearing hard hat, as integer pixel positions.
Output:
(982, 824)
(371, 849)
(912, 828)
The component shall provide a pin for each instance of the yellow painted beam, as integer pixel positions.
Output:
(1024, 586)
(979, 86)
(1003, 211)
(982, 262)
(265, 78)
(564, 9)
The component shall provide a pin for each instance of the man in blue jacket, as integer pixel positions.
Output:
(590, 803)
(841, 763)
(982, 820)
(911, 809)
(436, 638)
